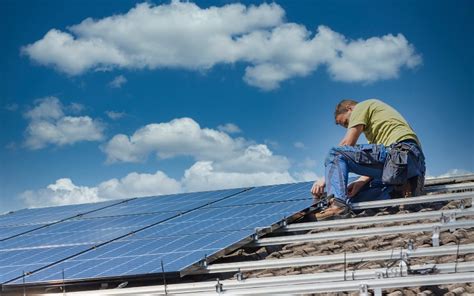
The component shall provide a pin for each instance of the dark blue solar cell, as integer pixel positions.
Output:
(165, 203)
(84, 231)
(225, 219)
(51, 214)
(10, 231)
(269, 194)
(178, 229)
(177, 254)
(17, 262)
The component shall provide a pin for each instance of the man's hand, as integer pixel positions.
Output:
(356, 186)
(318, 188)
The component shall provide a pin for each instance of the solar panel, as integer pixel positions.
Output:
(9, 231)
(27, 220)
(84, 231)
(51, 214)
(97, 227)
(165, 203)
(14, 263)
(137, 235)
(142, 256)
(270, 194)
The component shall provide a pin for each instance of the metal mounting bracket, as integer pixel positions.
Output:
(377, 291)
(435, 237)
(363, 290)
(219, 287)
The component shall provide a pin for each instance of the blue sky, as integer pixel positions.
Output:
(161, 97)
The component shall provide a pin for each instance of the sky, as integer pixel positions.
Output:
(111, 99)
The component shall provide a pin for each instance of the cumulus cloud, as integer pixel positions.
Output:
(255, 158)
(183, 35)
(185, 137)
(48, 124)
(229, 128)
(64, 191)
(135, 185)
(118, 81)
(182, 136)
(114, 115)
(203, 176)
(221, 161)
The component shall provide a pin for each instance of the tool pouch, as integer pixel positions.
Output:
(395, 170)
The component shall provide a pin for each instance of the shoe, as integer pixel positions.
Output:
(335, 210)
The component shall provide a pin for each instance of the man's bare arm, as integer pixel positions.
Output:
(352, 135)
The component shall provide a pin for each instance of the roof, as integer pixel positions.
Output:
(401, 247)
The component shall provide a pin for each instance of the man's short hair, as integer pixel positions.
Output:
(343, 105)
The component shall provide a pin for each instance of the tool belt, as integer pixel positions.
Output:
(395, 170)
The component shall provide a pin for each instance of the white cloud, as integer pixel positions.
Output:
(114, 115)
(182, 136)
(136, 185)
(118, 81)
(203, 176)
(49, 125)
(255, 158)
(183, 35)
(46, 108)
(373, 59)
(199, 177)
(185, 137)
(64, 191)
(229, 128)
(221, 162)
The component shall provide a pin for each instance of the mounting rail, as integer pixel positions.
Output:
(431, 215)
(337, 258)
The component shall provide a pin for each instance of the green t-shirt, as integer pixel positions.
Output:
(382, 123)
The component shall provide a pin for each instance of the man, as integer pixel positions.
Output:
(392, 158)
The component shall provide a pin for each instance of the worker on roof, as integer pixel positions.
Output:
(393, 159)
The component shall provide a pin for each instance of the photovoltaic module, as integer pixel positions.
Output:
(139, 236)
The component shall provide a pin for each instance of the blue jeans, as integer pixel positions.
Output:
(365, 160)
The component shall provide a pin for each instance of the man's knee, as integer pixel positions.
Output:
(333, 153)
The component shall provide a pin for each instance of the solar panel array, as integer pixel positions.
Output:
(22, 221)
(138, 236)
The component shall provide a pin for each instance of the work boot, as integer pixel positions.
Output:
(336, 210)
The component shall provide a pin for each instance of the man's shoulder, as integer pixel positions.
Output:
(365, 104)
(372, 102)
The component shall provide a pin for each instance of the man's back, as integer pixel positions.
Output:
(383, 124)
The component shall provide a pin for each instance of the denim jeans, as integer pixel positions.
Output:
(365, 160)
